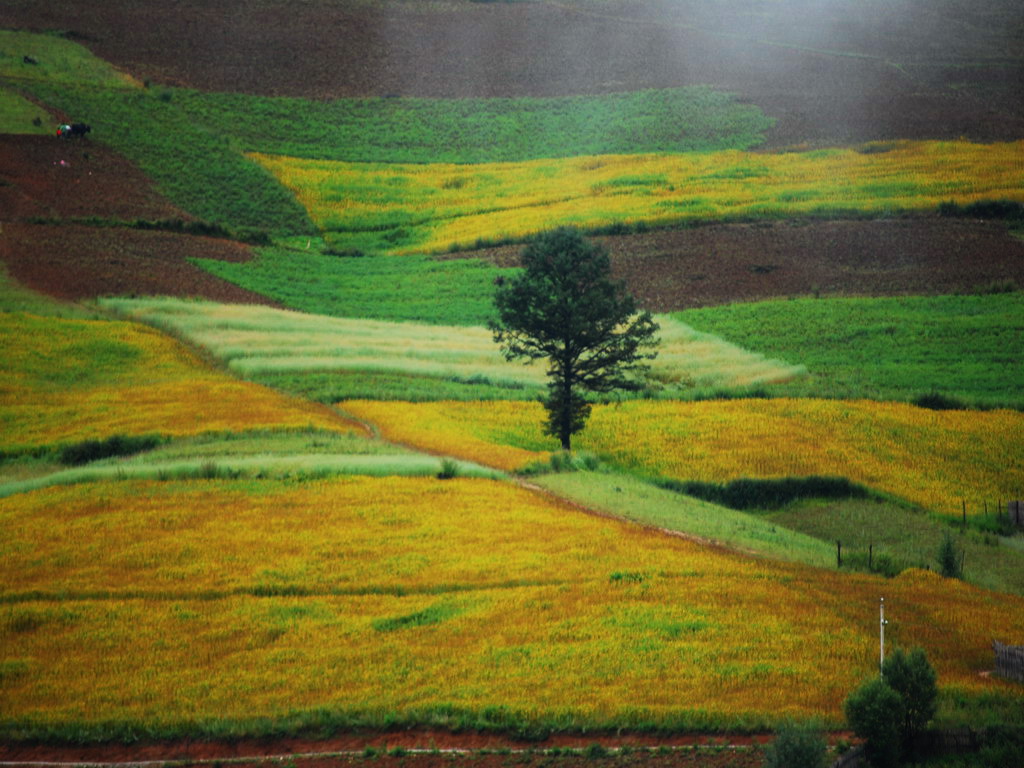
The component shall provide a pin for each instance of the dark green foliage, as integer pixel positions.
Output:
(936, 401)
(747, 494)
(435, 614)
(180, 226)
(984, 209)
(595, 750)
(564, 308)
(913, 678)
(116, 445)
(875, 712)
(797, 746)
(1004, 746)
(891, 711)
(449, 470)
(950, 558)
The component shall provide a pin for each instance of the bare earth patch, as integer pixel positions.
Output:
(722, 263)
(78, 262)
(48, 177)
(828, 72)
(44, 178)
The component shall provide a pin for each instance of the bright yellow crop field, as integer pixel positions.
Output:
(69, 380)
(933, 458)
(428, 596)
(433, 207)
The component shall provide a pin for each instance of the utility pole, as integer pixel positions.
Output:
(881, 635)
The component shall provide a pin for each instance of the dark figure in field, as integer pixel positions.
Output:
(75, 129)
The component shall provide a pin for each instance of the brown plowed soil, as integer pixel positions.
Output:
(830, 72)
(43, 176)
(46, 178)
(77, 262)
(719, 264)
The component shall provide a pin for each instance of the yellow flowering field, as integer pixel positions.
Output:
(67, 380)
(414, 598)
(407, 208)
(933, 458)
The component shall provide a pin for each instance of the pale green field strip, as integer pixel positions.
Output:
(299, 466)
(633, 499)
(253, 340)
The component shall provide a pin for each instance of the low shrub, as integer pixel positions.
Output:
(984, 209)
(950, 558)
(875, 712)
(116, 445)
(449, 470)
(936, 401)
(797, 745)
(745, 494)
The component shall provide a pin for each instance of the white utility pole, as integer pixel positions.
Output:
(881, 635)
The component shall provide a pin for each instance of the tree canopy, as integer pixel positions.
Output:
(565, 307)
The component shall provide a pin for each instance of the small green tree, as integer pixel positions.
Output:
(875, 712)
(796, 746)
(564, 307)
(912, 676)
(950, 564)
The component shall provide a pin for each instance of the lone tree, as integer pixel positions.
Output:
(564, 307)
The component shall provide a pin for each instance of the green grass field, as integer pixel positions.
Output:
(406, 130)
(416, 288)
(963, 347)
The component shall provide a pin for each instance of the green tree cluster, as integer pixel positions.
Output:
(891, 711)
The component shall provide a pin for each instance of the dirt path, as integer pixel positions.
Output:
(422, 748)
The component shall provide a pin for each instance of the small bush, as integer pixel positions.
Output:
(747, 494)
(797, 746)
(595, 751)
(875, 712)
(938, 402)
(449, 470)
(117, 445)
(984, 209)
(950, 559)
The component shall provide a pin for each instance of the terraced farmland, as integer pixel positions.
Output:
(265, 476)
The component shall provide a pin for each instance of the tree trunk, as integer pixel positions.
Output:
(566, 416)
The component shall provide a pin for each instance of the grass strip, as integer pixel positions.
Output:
(295, 467)
(635, 499)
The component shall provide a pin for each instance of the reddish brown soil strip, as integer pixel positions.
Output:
(50, 178)
(43, 176)
(353, 744)
(828, 72)
(78, 262)
(720, 264)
